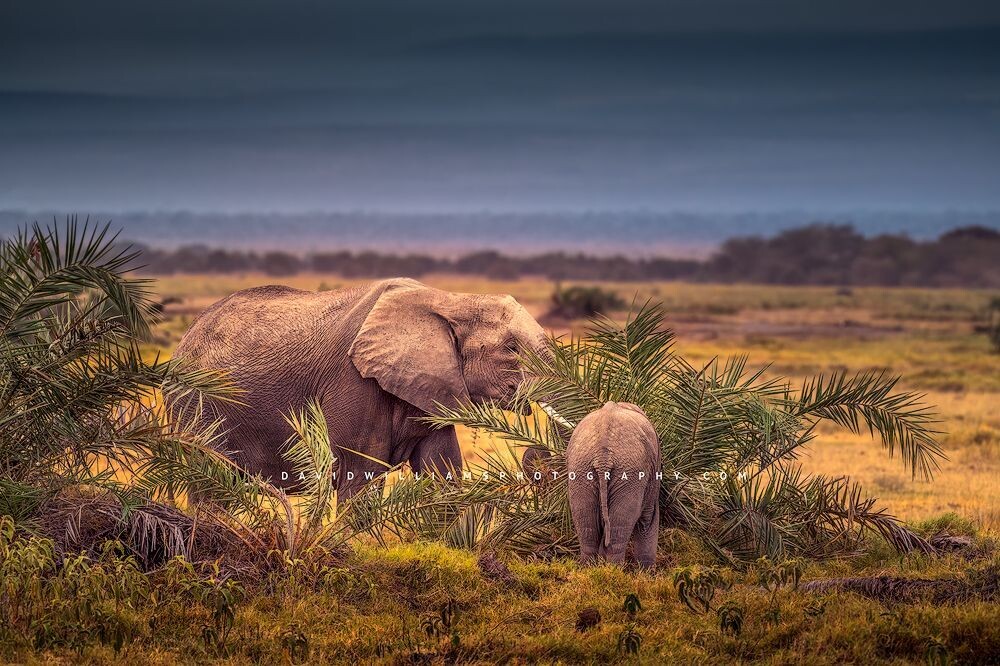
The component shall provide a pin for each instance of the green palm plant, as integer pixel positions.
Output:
(80, 403)
(721, 418)
(495, 512)
(77, 395)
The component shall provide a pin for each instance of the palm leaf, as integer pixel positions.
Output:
(720, 417)
(900, 419)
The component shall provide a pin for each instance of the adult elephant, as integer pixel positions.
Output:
(375, 357)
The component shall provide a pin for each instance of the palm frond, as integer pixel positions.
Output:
(310, 453)
(43, 268)
(722, 417)
(900, 419)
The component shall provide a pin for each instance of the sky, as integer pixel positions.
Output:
(469, 105)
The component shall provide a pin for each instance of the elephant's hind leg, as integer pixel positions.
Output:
(624, 511)
(585, 508)
(644, 541)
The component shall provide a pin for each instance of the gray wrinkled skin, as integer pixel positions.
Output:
(374, 357)
(608, 513)
(536, 461)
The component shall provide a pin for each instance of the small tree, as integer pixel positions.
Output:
(721, 418)
(81, 404)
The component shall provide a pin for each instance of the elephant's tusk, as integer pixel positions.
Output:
(555, 416)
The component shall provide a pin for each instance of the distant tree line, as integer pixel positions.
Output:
(819, 254)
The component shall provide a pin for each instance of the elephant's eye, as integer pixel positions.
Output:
(512, 346)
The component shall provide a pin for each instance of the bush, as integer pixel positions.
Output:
(721, 419)
(577, 302)
(82, 433)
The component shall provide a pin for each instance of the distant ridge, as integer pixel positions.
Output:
(826, 254)
(601, 233)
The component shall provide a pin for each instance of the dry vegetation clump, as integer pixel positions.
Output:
(81, 520)
(977, 585)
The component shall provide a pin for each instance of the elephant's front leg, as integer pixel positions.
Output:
(438, 451)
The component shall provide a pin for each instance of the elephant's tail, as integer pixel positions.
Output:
(602, 489)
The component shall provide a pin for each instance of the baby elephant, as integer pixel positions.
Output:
(612, 459)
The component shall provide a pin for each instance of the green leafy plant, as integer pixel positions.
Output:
(74, 601)
(632, 605)
(345, 582)
(442, 623)
(729, 437)
(731, 618)
(203, 592)
(773, 576)
(629, 640)
(696, 587)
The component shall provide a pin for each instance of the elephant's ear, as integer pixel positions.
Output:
(410, 349)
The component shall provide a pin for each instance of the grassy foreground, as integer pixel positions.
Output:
(424, 603)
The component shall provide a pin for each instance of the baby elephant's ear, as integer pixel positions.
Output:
(410, 349)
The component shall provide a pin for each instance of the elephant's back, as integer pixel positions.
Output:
(250, 327)
(251, 324)
(615, 436)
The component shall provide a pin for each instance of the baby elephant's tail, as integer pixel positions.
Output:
(602, 486)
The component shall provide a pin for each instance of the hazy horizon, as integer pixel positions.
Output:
(637, 233)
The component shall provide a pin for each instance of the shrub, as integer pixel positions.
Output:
(81, 417)
(581, 301)
(721, 419)
(79, 402)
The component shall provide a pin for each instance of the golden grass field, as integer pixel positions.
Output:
(926, 336)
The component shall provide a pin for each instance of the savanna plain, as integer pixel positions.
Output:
(928, 337)
(411, 601)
